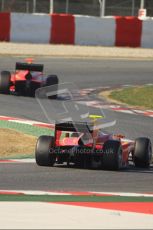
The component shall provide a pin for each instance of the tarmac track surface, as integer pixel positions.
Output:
(86, 73)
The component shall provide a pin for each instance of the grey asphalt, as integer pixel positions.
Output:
(86, 73)
(32, 177)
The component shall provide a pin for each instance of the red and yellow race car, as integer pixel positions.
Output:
(26, 79)
(79, 143)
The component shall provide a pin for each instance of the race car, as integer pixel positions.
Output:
(26, 79)
(78, 143)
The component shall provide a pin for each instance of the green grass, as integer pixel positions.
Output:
(26, 128)
(135, 96)
(71, 198)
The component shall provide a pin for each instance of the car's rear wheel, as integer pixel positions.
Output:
(5, 80)
(112, 155)
(142, 152)
(43, 154)
(52, 80)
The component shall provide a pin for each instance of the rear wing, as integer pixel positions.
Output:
(29, 67)
(74, 126)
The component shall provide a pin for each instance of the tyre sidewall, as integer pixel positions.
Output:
(52, 80)
(142, 152)
(43, 154)
(112, 155)
(5, 80)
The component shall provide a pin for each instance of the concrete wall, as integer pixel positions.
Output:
(76, 30)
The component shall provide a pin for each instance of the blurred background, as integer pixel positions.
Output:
(82, 7)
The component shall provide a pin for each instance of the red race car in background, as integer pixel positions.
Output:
(26, 79)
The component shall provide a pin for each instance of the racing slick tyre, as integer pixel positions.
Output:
(142, 152)
(5, 79)
(52, 80)
(112, 155)
(43, 155)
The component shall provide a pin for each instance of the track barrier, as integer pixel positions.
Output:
(76, 30)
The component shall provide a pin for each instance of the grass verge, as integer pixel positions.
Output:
(71, 198)
(141, 96)
(18, 140)
(16, 144)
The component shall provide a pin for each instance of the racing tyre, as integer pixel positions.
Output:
(142, 152)
(112, 155)
(52, 80)
(5, 79)
(43, 155)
